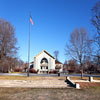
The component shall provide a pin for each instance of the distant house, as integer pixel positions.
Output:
(59, 66)
(65, 68)
(45, 62)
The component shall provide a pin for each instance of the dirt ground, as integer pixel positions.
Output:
(49, 94)
(88, 91)
(88, 84)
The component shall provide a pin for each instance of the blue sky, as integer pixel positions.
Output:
(54, 20)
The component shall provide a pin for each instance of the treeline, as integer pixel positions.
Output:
(8, 49)
(84, 47)
(89, 67)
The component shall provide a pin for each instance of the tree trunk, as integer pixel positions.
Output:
(81, 71)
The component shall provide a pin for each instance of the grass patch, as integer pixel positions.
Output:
(79, 78)
(43, 77)
(30, 78)
(96, 78)
(84, 78)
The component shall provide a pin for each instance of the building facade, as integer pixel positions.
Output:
(45, 62)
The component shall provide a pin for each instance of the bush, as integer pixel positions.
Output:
(18, 70)
(53, 72)
(32, 70)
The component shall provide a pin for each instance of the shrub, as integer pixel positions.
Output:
(32, 70)
(18, 70)
(53, 72)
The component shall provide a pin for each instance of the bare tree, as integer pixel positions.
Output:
(65, 62)
(72, 65)
(7, 42)
(96, 22)
(56, 53)
(96, 17)
(79, 46)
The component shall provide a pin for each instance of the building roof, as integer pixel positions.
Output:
(46, 53)
(57, 62)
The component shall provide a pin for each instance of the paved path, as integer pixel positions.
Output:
(45, 83)
(32, 74)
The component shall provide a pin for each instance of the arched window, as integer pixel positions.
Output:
(44, 60)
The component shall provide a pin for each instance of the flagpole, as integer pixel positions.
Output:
(28, 49)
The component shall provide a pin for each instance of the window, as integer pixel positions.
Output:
(44, 60)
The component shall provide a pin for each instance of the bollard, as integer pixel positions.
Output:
(58, 73)
(77, 86)
(67, 78)
(90, 78)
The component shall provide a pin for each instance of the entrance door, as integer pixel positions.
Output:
(44, 65)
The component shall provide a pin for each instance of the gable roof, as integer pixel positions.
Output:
(46, 53)
(57, 62)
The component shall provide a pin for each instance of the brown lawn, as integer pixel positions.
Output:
(49, 94)
(89, 91)
(29, 78)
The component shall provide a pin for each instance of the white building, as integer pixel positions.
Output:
(44, 62)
